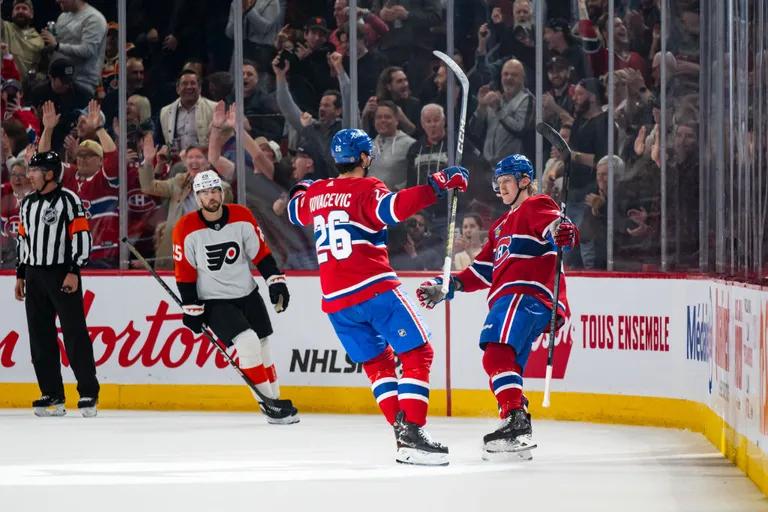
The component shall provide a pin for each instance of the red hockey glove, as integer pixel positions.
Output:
(565, 234)
(454, 177)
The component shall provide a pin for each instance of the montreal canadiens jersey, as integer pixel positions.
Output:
(216, 255)
(350, 217)
(519, 255)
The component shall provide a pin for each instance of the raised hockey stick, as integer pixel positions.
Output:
(276, 405)
(454, 196)
(554, 138)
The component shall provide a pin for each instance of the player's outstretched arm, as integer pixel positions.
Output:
(298, 211)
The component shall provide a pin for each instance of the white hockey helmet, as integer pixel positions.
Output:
(206, 180)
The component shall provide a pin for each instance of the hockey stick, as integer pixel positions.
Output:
(454, 201)
(554, 138)
(276, 405)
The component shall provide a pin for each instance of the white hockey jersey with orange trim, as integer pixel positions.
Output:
(216, 255)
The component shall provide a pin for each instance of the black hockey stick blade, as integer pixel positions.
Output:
(554, 138)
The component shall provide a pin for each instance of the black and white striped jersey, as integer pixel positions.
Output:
(53, 230)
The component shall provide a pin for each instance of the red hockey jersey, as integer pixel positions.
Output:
(9, 212)
(519, 256)
(350, 216)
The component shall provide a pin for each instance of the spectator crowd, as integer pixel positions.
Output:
(60, 91)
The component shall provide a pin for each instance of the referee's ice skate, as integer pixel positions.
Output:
(49, 406)
(87, 406)
(415, 446)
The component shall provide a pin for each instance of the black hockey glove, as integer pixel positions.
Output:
(193, 317)
(278, 292)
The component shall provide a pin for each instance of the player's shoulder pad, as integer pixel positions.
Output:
(188, 223)
(543, 201)
(238, 212)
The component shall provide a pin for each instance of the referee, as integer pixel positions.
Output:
(53, 243)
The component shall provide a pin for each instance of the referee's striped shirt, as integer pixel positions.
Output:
(53, 231)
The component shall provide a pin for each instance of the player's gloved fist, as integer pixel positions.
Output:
(193, 317)
(278, 292)
(300, 186)
(454, 177)
(565, 234)
(430, 293)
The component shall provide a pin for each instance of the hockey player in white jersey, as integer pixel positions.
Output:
(212, 249)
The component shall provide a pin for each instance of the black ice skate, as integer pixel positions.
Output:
(49, 406)
(415, 446)
(513, 437)
(280, 416)
(87, 406)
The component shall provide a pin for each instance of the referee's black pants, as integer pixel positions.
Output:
(45, 300)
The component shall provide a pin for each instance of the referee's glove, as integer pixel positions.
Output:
(193, 318)
(278, 292)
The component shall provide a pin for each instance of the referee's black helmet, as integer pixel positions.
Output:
(49, 160)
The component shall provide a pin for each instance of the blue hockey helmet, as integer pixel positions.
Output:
(347, 145)
(515, 165)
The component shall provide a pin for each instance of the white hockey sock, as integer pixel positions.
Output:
(248, 347)
(269, 365)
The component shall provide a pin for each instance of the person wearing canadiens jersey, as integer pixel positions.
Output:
(212, 251)
(371, 314)
(517, 265)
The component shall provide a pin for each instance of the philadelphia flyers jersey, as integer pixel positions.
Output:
(350, 217)
(216, 255)
(519, 255)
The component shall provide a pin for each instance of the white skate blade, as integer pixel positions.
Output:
(524, 455)
(519, 444)
(54, 410)
(289, 420)
(420, 457)
(88, 412)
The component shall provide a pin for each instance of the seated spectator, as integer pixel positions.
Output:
(391, 145)
(260, 107)
(80, 35)
(94, 178)
(13, 108)
(186, 121)
(11, 195)
(594, 226)
(429, 153)
(472, 239)
(505, 119)
(373, 26)
(318, 131)
(261, 23)
(178, 190)
(67, 96)
(557, 102)
(416, 249)
(23, 40)
(393, 85)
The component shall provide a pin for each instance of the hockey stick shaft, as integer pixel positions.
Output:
(270, 402)
(454, 196)
(554, 138)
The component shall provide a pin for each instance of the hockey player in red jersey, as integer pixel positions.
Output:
(370, 312)
(212, 249)
(517, 264)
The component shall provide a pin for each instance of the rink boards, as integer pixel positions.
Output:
(680, 352)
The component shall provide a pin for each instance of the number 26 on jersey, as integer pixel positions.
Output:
(330, 236)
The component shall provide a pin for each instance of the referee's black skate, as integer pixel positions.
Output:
(87, 406)
(415, 446)
(514, 436)
(49, 406)
(280, 416)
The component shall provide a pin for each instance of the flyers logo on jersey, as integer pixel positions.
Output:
(219, 254)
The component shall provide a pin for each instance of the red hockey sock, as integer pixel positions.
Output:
(413, 388)
(505, 377)
(381, 373)
(258, 374)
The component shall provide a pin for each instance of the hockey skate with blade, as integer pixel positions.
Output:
(415, 446)
(49, 406)
(87, 406)
(280, 416)
(513, 438)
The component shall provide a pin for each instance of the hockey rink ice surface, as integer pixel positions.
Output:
(191, 461)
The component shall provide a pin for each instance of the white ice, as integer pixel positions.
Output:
(227, 462)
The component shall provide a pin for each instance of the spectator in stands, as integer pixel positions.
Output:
(370, 63)
(260, 107)
(560, 43)
(13, 108)
(261, 23)
(418, 249)
(683, 194)
(557, 102)
(318, 131)
(94, 178)
(23, 40)
(394, 86)
(80, 35)
(429, 153)
(134, 80)
(177, 189)
(67, 96)
(504, 119)
(219, 85)
(410, 41)
(373, 27)
(312, 64)
(11, 195)
(392, 146)
(471, 240)
(594, 226)
(186, 121)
